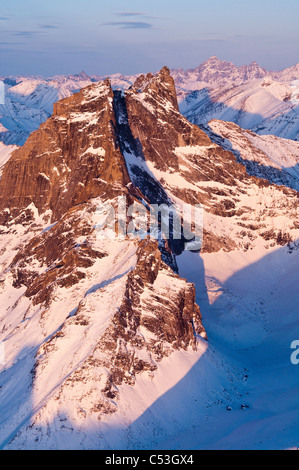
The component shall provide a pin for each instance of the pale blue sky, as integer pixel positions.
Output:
(101, 37)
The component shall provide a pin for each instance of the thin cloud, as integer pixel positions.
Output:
(130, 13)
(48, 26)
(4, 18)
(27, 34)
(130, 24)
(45, 17)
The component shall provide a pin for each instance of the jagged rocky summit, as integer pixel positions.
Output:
(84, 316)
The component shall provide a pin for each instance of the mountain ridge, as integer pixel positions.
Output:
(29, 100)
(91, 323)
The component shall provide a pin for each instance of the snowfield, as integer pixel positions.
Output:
(250, 307)
(238, 391)
(264, 106)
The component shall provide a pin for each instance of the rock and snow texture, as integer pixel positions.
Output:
(239, 211)
(249, 95)
(81, 315)
(104, 342)
(216, 73)
(29, 102)
(264, 106)
(269, 157)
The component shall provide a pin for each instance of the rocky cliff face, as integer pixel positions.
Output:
(156, 123)
(148, 325)
(84, 317)
(29, 102)
(82, 314)
(69, 160)
(194, 170)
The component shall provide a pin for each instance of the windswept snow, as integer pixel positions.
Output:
(238, 391)
(249, 303)
(5, 153)
(266, 152)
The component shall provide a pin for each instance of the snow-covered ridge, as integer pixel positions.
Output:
(218, 72)
(264, 106)
(264, 156)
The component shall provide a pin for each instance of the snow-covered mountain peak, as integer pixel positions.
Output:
(29, 100)
(215, 72)
(91, 313)
(264, 105)
(160, 86)
(98, 330)
(269, 157)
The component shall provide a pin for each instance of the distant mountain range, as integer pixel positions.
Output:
(216, 73)
(264, 102)
(250, 96)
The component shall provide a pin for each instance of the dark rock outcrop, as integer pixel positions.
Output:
(69, 159)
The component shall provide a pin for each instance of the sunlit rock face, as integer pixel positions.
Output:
(86, 319)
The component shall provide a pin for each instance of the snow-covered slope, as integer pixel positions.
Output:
(104, 342)
(264, 106)
(250, 308)
(265, 102)
(269, 157)
(29, 102)
(5, 153)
